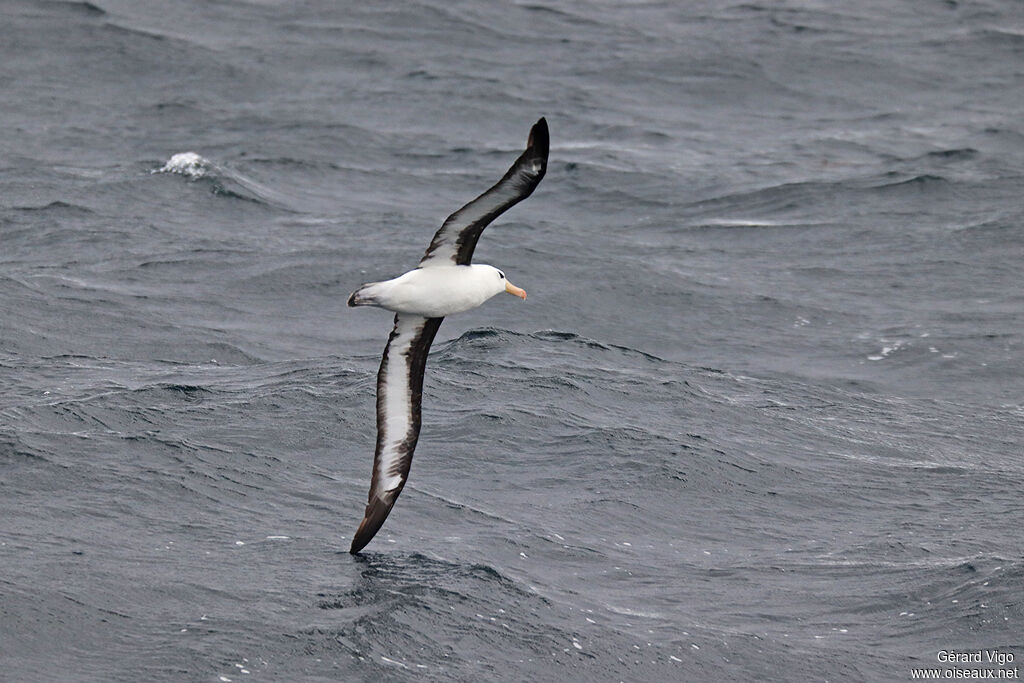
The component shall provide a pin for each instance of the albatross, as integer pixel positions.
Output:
(445, 282)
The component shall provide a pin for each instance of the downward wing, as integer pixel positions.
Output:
(399, 394)
(455, 241)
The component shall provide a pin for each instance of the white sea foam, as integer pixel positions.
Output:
(393, 661)
(742, 223)
(888, 348)
(188, 164)
(635, 613)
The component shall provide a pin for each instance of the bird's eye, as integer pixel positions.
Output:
(501, 275)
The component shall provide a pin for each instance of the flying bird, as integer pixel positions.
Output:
(444, 282)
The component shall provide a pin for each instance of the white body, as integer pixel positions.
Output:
(434, 292)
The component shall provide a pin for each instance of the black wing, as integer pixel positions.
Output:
(455, 241)
(399, 394)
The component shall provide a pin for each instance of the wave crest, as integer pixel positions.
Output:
(188, 164)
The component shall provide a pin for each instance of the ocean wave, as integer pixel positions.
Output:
(489, 337)
(14, 451)
(961, 154)
(78, 7)
(924, 181)
(59, 207)
(223, 181)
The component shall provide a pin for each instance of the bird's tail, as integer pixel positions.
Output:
(365, 295)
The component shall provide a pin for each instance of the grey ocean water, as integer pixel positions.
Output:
(761, 417)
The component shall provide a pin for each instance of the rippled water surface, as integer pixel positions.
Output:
(761, 417)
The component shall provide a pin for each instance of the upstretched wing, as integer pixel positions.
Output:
(455, 241)
(399, 394)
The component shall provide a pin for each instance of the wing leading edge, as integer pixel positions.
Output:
(455, 241)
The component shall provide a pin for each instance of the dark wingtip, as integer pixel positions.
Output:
(362, 537)
(538, 140)
(352, 299)
(376, 512)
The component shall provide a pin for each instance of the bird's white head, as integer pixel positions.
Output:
(496, 282)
